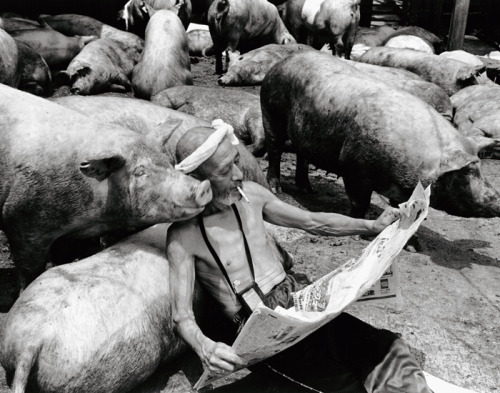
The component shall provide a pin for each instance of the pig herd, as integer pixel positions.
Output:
(382, 108)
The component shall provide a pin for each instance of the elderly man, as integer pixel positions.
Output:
(226, 249)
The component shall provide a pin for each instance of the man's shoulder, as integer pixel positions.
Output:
(180, 229)
(255, 189)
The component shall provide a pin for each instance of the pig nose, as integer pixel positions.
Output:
(204, 193)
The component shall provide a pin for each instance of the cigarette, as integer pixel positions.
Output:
(243, 195)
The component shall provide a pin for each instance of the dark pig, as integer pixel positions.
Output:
(449, 74)
(238, 26)
(103, 324)
(101, 66)
(56, 48)
(9, 55)
(376, 137)
(145, 117)
(63, 173)
(12, 24)
(165, 61)
(319, 22)
(251, 68)
(238, 108)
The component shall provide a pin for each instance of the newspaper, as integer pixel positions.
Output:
(268, 332)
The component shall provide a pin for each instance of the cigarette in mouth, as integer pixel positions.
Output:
(243, 195)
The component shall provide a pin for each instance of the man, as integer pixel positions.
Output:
(227, 250)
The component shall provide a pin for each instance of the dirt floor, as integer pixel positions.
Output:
(449, 310)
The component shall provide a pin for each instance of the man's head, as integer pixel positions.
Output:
(220, 168)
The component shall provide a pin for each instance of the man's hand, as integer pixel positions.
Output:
(220, 358)
(389, 215)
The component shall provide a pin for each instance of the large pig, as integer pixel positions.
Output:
(103, 324)
(63, 173)
(74, 24)
(165, 61)
(242, 25)
(9, 55)
(316, 22)
(102, 65)
(435, 42)
(56, 48)
(238, 108)
(477, 115)
(410, 42)
(251, 68)
(450, 74)
(145, 117)
(12, 24)
(376, 137)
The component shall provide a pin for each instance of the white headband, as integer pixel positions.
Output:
(203, 152)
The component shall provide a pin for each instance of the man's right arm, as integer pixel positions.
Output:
(215, 356)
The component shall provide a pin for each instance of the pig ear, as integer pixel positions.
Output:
(100, 169)
(457, 159)
(163, 131)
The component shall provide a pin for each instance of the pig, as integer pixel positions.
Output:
(66, 174)
(316, 22)
(74, 24)
(449, 74)
(463, 56)
(165, 60)
(238, 108)
(373, 36)
(477, 115)
(251, 68)
(435, 42)
(12, 24)
(238, 26)
(376, 137)
(101, 66)
(56, 48)
(410, 42)
(9, 55)
(148, 118)
(429, 92)
(103, 324)
(198, 41)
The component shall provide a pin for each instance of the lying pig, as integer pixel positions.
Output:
(101, 66)
(367, 38)
(9, 55)
(165, 60)
(238, 26)
(12, 24)
(56, 48)
(428, 92)
(198, 41)
(463, 56)
(410, 42)
(73, 24)
(238, 108)
(147, 118)
(450, 74)
(64, 173)
(477, 115)
(435, 42)
(316, 22)
(376, 137)
(103, 324)
(251, 68)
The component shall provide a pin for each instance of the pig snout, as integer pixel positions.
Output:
(203, 194)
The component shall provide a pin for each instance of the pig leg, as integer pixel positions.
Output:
(348, 39)
(302, 174)
(253, 125)
(359, 192)
(337, 46)
(275, 132)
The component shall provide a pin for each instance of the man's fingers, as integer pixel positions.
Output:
(226, 353)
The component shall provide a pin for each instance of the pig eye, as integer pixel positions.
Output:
(139, 171)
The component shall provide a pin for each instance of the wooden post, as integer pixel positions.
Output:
(458, 24)
(366, 13)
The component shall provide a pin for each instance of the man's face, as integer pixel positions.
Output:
(223, 173)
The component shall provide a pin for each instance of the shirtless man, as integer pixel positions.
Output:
(346, 353)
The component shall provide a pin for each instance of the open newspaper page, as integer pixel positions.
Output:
(268, 332)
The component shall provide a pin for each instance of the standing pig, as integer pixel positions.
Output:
(103, 324)
(450, 74)
(242, 25)
(238, 108)
(319, 22)
(56, 48)
(165, 61)
(374, 136)
(63, 173)
(251, 68)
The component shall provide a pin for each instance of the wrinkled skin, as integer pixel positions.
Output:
(238, 108)
(56, 48)
(165, 61)
(376, 137)
(66, 174)
(101, 66)
(238, 26)
(451, 75)
(251, 68)
(333, 22)
(126, 289)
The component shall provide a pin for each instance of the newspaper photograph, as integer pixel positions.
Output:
(268, 332)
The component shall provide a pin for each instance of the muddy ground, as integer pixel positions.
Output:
(449, 310)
